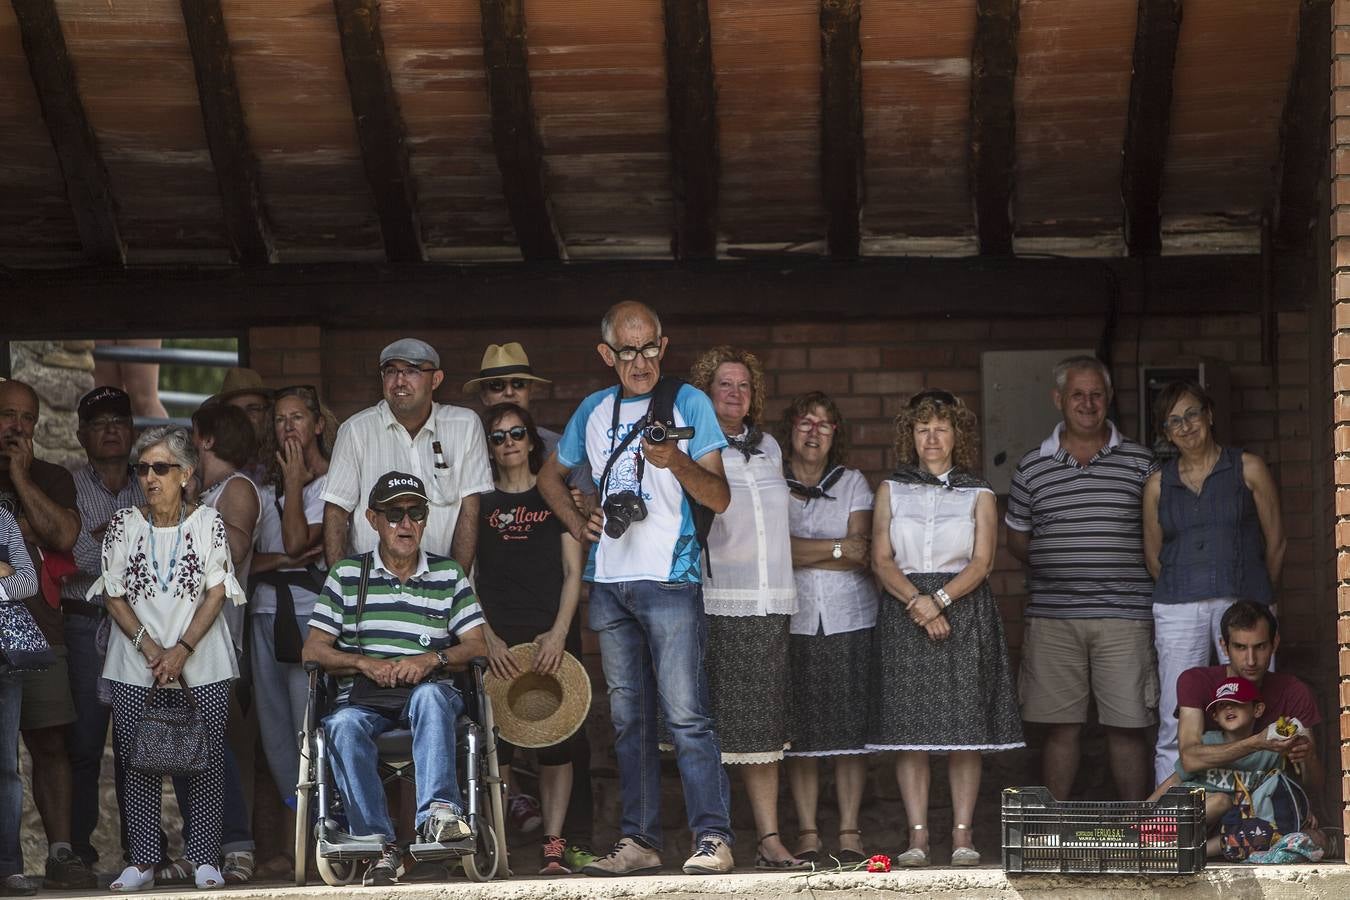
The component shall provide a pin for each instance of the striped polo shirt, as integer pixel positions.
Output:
(428, 612)
(1086, 558)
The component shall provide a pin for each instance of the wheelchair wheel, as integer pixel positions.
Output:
(304, 837)
(338, 872)
(489, 853)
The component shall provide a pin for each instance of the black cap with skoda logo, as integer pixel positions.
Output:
(392, 485)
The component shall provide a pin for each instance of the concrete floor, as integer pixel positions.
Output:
(1317, 882)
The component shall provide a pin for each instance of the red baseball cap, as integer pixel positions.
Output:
(1234, 690)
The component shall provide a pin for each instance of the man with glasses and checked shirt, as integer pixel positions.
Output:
(408, 432)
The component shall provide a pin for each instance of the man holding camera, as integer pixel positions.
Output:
(646, 600)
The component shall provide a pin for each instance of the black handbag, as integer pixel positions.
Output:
(171, 740)
(22, 644)
(388, 701)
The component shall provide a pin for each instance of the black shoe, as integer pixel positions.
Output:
(385, 870)
(17, 886)
(66, 871)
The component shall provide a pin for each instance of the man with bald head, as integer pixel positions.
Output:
(646, 601)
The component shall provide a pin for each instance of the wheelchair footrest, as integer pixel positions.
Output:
(444, 850)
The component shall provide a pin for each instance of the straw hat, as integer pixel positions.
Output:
(535, 710)
(503, 361)
(239, 381)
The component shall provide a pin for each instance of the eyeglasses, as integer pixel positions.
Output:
(105, 422)
(160, 468)
(628, 354)
(515, 432)
(942, 398)
(820, 426)
(412, 373)
(498, 385)
(1188, 418)
(394, 514)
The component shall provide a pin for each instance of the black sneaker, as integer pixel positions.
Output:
(17, 886)
(385, 870)
(67, 872)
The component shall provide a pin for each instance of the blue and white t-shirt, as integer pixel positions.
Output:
(663, 546)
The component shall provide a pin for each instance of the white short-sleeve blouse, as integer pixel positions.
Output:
(832, 601)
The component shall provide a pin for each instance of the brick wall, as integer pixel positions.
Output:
(1337, 296)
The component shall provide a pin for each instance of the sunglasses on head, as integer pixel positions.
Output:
(942, 398)
(515, 432)
(159, 468)
(394, 514)
(497, 385)
(306, 391)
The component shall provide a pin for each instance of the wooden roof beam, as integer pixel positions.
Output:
(246, 225)
(1303, 130)
(1150, 120)
(380, 129)
(691, 97)
(993, 123)
(515, 130)
(841, 125)
(88, 187)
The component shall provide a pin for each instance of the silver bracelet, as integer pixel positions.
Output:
(942, 597)
(136, 641)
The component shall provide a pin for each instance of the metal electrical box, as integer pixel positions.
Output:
(1018, 410)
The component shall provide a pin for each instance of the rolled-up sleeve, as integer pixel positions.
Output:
(343, 485)
(220, 566)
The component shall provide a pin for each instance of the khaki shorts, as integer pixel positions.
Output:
(1062, 659)
(46, 696)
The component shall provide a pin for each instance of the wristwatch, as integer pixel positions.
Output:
(941, 596)
(838, 551)
(441, 660)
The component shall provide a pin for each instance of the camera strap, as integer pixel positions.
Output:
(616, 452)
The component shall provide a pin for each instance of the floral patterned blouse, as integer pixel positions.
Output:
(138, 563)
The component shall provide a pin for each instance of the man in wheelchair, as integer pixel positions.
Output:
(390, 624)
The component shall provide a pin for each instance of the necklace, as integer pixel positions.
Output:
(1195, 480)
(164, 581)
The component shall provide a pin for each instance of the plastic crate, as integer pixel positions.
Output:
(1042, 834)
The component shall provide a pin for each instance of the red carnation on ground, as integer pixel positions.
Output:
(879, 863)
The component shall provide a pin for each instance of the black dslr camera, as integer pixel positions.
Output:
(659, 433)
(621, 510)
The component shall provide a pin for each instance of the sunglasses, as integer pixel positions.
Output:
(394, 514)
(942, 398)
(160, 468)
(498, 385)
(515, 432)
(806, 426)
(628, 354)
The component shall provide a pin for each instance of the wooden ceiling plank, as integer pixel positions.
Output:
(841, 125)
(1303, 130)
(88, 187)
(380, 129)
(1148, 124)
(993, 125)
(691, 96)
(515, 131)
(246, 225)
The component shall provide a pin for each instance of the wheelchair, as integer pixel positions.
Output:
(341, 858)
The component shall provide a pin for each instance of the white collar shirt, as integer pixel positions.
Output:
(830, 601)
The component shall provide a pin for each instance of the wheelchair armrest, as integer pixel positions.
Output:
(479, 664)
(311, 665)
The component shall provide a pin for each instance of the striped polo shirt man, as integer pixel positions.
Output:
(426, 613)
(1086, 554)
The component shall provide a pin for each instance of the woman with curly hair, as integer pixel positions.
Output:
(830, 520)
(749, 594)
(940, 675)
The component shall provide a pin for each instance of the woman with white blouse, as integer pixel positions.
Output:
(167, 576)
(940, 675)
(830, 520)
(749, 595)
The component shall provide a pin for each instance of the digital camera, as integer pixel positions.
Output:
(659, 433)
(621, 510)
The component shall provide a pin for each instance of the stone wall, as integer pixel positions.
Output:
(61, 372)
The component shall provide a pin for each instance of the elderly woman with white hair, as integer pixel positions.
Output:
(167, 576)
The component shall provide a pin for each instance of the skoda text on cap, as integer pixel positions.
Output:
(392, 485)
(1234, 690)
(107, 398)
(411, 350)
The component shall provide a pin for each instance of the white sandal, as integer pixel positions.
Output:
(208, 878)
(913, 858)
(133, 879)
(964, 856)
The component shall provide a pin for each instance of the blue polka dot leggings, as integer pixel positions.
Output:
(141, 793)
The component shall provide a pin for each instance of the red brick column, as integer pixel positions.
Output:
(1340, 256)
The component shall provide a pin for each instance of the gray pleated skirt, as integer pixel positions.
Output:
(829, 693)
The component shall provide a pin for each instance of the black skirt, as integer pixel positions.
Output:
(954, 694)
(829, 693)
(747, 663)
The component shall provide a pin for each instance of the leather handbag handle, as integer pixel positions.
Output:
(187, 692)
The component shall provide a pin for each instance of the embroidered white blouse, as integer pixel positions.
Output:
(932, 528)
(831, 601)
(131, 547)
(749, 545)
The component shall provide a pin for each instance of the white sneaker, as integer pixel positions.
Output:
(712, 856)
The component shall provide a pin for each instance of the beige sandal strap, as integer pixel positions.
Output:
(917, 827)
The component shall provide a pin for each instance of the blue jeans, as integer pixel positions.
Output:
(433, 709)
(87, 736)
(653, 637)
(11, 786)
